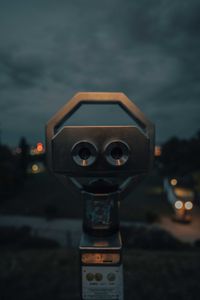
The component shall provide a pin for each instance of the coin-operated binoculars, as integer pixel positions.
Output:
(103, 163)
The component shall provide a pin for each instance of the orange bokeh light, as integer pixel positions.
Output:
(40, 147)
(158, 151)
(100, 258)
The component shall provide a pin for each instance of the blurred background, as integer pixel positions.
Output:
(49, 50)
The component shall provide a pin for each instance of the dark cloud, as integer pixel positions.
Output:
(19, 70)
(147, 49)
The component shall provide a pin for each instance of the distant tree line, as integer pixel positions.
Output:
(180, 156)
(13, 168)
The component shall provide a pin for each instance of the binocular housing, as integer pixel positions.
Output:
(100, 151)
(92, 158)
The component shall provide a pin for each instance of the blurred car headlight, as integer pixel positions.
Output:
(188, 205)
(178, 204)
(173, 181)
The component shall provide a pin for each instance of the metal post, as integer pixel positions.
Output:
(103, 161)
(100, 248)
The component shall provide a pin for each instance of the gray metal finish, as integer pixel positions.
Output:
(59, 143)
(83, 153)
(101, 213)
(117, 153)
(100, 141)
(104, 163)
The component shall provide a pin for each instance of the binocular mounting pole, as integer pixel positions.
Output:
(101, 248)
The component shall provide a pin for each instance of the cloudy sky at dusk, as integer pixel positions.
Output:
(49, 50)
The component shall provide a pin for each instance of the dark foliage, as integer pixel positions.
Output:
(181, 157)
(50, 211)
(10, 175)
(24, 156)
(151, 217)
(154, 238)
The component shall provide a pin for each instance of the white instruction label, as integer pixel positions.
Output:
(102, 283)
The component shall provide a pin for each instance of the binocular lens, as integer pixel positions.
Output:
(117, 153)
(84, 153)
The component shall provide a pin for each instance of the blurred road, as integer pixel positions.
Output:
(187, 232)
(67, 232)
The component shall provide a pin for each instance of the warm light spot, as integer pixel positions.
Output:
(157, 151)
(101, 243)
(35, 168)
(173, 181)
(40, 147)
(188, 205)
(178, 204)
(183, 193)
(100, 258)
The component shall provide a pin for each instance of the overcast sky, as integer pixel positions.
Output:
(49, 50)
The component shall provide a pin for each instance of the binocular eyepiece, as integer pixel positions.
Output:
(117, 153)
(85, 153)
